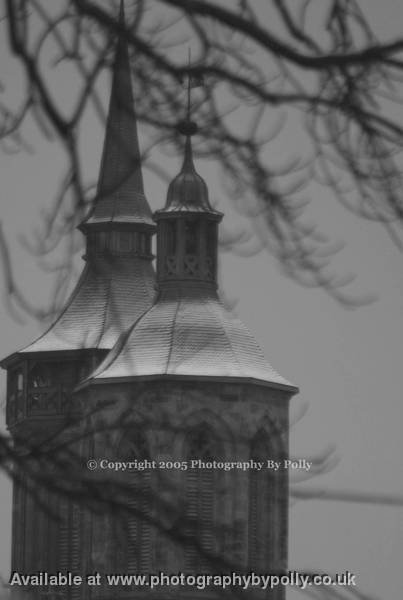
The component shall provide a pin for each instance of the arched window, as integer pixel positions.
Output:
(263, 509)
(200, 495)
(132, 529)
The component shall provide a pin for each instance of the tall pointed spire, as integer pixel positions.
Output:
(120, 194)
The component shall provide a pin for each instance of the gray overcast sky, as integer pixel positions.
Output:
(347, 363)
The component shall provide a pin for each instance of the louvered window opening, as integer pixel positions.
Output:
(200, 494)
(139, 542)
(33, 528)
(262, 517)
(132, 528)
(69, 539)
(19, 527)
(32, 533)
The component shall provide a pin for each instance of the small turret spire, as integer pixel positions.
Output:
(188, 191)
(187, 225)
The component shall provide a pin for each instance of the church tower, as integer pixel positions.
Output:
(158, 374)
(189, 391)
(116, 286)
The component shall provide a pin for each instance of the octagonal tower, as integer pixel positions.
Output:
(189, 393)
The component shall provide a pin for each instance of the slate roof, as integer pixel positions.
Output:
(188, 333)
(110, 295)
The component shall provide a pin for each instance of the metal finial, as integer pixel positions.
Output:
(189, 97)
(122, 12)
(188, 127)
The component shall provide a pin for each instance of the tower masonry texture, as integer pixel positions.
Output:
(148, 370)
